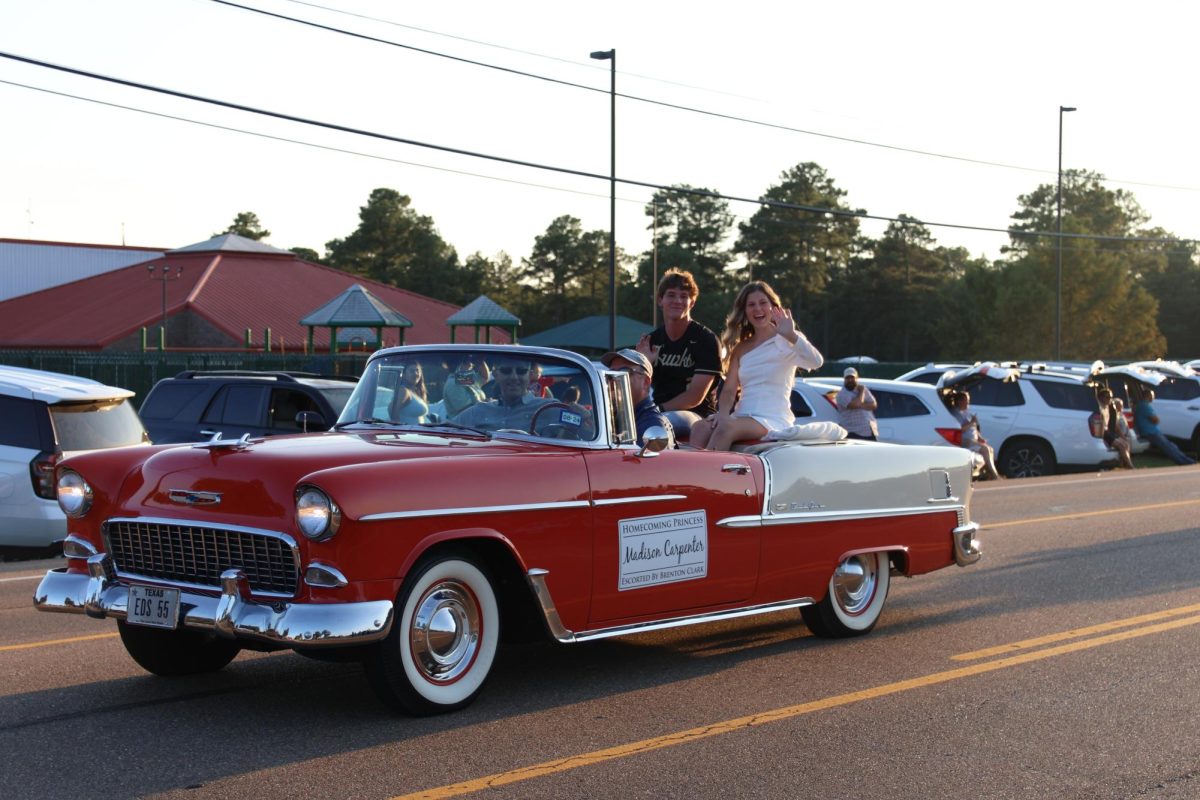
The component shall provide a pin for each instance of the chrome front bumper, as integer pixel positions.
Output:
(232, 614)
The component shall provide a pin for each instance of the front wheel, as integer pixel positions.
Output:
(443, 642)
(854, 599)
(174, 653)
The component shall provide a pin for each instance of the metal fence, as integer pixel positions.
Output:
(140, 371)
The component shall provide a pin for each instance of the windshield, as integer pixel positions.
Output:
(96, 425)
(510, 391)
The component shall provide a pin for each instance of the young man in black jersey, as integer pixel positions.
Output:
(686, 355)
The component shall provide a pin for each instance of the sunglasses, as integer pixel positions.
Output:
(511, 370)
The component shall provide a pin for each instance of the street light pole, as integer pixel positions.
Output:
(611, 57)
(166, 276)
(1058, 257)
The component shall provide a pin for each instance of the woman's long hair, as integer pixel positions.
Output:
(737, 326)
(414, 380)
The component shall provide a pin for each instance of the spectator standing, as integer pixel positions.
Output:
(1116, 430)
(685, 354)
(856, 407)
(1145, 420)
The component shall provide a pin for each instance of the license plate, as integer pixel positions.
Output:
(153, 606)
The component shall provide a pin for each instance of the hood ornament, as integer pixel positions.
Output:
(216, 442)
(189, 497)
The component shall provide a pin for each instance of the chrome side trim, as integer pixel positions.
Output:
(650, 498)
(441, 512)
(537, 581)
(826, 516)
(231, 614)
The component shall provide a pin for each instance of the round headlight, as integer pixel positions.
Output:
(317, 516)
(74, 494)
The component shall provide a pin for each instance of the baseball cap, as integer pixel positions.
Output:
(632, 356)
(850, 371)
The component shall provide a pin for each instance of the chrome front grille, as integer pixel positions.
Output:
(185, 552)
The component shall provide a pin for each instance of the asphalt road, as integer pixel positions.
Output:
(1063, 665)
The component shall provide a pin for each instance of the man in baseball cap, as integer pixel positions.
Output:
(645, 412)
(856, 407)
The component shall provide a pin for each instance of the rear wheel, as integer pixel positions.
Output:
(173, 653)
(854, 599)
(1027, 458)
(443, 642)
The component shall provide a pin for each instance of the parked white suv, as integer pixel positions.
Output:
(1037, 419)
(1176, 400)
(908, 413)
(45, 417)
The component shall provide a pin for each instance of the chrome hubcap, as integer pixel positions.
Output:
(854, 583)
(445, 632)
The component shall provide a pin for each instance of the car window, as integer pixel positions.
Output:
(1178, 389)
(1073, 396)
(800, 406)
(898, 404)
(25, 424)
(167, 399)
(336, 396)
(96, 424)
(927, 377)
(286, 404)
(237, 405)
(989, 392)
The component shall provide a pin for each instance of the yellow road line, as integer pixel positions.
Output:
(1075, 633)
(776, 715)
(1081, 514)
(50, 642)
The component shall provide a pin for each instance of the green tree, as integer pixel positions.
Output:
(1106, 311)
(246, 224)
(568, 268)
(690, 227)
(394, 244)
(798, 251)
(306, 254)
(1173, 278)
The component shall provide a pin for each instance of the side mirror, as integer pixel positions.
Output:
(654, 441)
(306, 418)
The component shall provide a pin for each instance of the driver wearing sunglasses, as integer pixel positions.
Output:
(514, 408)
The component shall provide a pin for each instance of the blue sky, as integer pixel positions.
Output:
(978, 81)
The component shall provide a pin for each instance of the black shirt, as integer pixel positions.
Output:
(696, 352)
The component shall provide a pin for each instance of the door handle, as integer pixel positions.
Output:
(740, 469)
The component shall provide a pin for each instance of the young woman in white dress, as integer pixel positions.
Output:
(765, 349)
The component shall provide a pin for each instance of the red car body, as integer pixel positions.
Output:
(437, 537)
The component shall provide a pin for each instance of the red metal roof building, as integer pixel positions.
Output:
(214, 292)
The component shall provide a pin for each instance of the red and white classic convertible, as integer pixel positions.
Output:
(469, 491)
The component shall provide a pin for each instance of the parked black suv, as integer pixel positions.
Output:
(194, 405)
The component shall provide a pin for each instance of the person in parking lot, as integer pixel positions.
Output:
(646, 412)
(856, 407)
(972, 437)
(1116, 430)
(1145, 421)
(686, 355)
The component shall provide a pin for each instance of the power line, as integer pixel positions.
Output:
(482, 43)
(838, 212)
(650, 101)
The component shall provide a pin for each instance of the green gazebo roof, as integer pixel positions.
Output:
(356, 308)
(483, 311)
